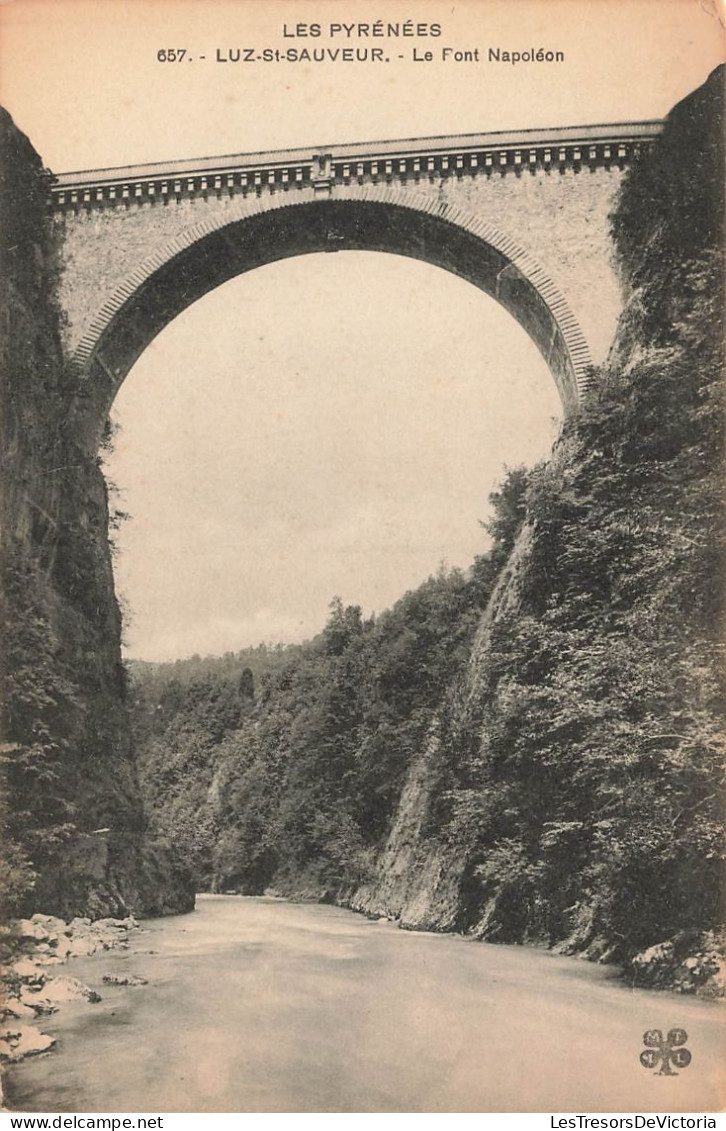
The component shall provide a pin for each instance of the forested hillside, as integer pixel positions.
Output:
(555, 760)
(288, 766)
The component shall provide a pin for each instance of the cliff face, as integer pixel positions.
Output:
(419, 875)
(74, 821)
(571, 793)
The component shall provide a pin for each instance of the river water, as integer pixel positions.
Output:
(258, 1005)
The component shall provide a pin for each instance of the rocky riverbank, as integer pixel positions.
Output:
(32, 987)
(689, 963)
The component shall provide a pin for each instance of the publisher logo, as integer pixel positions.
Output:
(665, 1052)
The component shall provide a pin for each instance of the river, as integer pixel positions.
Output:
(258, 1005)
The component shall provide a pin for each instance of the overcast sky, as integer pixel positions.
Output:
(283, 471)
(268, 470)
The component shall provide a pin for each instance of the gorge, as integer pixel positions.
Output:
(529, 752)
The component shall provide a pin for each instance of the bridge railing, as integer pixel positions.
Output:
(412, 160)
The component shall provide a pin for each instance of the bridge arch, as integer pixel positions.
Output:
(252, 233)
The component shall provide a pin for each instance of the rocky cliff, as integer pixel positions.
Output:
(419, 875)
(75, 839)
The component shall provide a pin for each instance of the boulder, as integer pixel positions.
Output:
(125, 980)
(63, 989)
(52, 925)
(19, 1042)
(111, 933)
(37, 1002)
(17, 1009)
(27, 971)
(49, 959)
(80, 946)
(689, 963)
(27, 929)
(76, 925)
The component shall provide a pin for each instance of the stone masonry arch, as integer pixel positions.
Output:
(259, 230)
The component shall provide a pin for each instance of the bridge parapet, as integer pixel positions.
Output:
(557, 150)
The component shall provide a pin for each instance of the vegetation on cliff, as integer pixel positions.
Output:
(66, 768)
(588, 795)
(588, 777)
(36, 694)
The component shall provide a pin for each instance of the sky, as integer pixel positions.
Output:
(266, 470)
(351, 463)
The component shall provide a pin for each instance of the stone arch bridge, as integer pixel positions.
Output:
(523, 215)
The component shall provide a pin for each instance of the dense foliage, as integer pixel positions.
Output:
(155, 677)
(589, 796)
